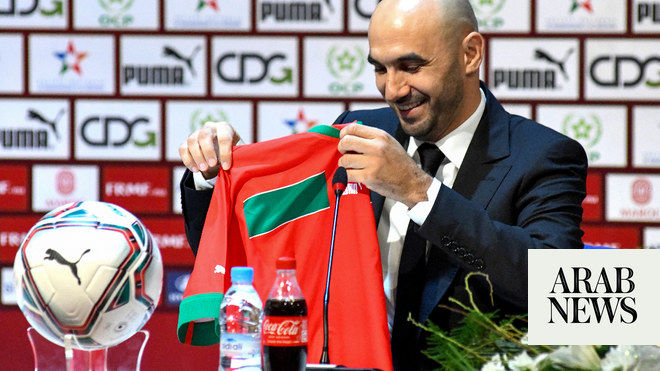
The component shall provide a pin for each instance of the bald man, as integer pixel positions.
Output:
(506, 184)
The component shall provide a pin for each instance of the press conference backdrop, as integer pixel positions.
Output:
(96, 96)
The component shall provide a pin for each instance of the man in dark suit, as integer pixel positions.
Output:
(505, 184)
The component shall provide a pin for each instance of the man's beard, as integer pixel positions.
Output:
(442, 112)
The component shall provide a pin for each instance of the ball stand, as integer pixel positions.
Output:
(49, 356)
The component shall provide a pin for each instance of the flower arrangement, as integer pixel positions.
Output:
(488, 343)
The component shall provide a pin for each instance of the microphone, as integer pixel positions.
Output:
(339, 181)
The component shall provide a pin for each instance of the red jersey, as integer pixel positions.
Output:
(277, 200)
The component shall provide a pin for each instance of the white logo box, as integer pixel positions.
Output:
(645, 16)
(652, 238)
(602, 130)
(39, 128)
(278, 119)
(569, 16)
(255, 66)
(95, 55)
(108, 14)
(503, 16)
(632, 197)
(531, 69)
(622, 69)
(163, 65)
(634, 308)
(127, 130)
(184, 117)
(300, 16)
(57, 185)
(35, 14)
(12, 61)
(338, 67)
(646, 133)
(228, 15)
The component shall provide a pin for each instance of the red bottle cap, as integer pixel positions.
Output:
(285, 262)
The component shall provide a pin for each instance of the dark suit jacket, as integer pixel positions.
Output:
(520, 187)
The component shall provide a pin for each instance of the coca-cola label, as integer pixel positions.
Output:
(284, 331)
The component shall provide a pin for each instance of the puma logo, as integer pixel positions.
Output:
(54, 255)
(34, 115)
(540, 54)
(170, 52)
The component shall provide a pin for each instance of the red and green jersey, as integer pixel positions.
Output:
(277, 200)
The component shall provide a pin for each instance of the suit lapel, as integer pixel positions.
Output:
(483, 168)
(481, 173)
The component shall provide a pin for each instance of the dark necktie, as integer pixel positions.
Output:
(413, 260)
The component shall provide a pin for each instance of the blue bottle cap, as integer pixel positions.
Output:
(242, 274)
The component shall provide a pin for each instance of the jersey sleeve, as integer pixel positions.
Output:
(199, 310)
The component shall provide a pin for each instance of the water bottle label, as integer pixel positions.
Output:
(239, 345)
(284, 331)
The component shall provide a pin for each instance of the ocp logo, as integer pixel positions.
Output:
(116, 10)
(346, 64)
(55, 10)
(199, 117)
(487, 12)
(587, 130)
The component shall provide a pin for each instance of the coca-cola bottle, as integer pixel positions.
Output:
(284, 326)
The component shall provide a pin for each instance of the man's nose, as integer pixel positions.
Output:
(396, 86)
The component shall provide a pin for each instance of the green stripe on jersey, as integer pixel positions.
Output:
(268, 210)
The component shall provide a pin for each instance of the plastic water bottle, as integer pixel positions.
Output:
(240, 324)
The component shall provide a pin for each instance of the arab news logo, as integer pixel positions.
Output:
(487, 12)
(587, 130)
(346, 65)
(200, 117)
(71, 59)
(116, 13)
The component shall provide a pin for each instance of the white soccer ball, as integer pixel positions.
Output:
(89, 269)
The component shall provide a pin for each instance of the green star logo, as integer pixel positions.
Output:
(487, 12)
(116, 6)
(346, 63)
(586, 129)
(199, 117)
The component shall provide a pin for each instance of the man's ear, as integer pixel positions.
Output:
(473, 52)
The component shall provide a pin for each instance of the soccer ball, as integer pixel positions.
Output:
(90, 270)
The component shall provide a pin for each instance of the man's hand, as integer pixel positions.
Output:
(374, 158)
(208, 146)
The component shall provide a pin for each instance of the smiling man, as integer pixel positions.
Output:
(503, 183)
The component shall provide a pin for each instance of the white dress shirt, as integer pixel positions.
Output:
(395, 217)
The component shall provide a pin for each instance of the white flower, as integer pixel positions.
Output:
(495, 364)
(632, 357)
(576, 357)
(521, 362)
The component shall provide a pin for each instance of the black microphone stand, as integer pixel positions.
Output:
(339, 181)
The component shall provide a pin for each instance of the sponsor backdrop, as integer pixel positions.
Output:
(96, 96)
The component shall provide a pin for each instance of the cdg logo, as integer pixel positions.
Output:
(95, 131)
(260, 68)
(57, 9)
(625, 70)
